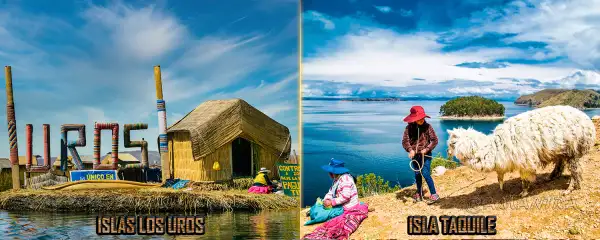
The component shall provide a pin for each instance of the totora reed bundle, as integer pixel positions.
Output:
(150, 200)
(48, 179)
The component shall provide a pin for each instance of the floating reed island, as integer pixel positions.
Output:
(207, 160)
(198, 198)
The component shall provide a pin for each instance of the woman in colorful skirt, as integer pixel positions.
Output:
(343, 192)
(262, 184)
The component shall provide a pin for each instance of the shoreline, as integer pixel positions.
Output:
(523, 104)
(150, 200)
(473, 118)
(372, 100)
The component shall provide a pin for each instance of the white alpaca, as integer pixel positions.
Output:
(557, 134)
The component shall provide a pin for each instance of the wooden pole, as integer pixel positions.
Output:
(162, 126)
(145, 162)
(12, 129)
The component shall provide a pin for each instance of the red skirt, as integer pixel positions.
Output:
(259, 189)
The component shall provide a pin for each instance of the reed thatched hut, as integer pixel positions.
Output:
(5, 165)
(239, 137)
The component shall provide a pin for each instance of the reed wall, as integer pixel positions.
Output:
(185, 167)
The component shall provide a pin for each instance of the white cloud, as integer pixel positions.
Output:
(212, 48)
(272, 110)
(569, 27)
(580, 77)
(143, 33)
(406, 13)
(344, 91)
(220, 61)
(103, 71)
(273, 91)
(316, 16)
(378, 55)
(308, 91)
(476, 90)
(384, 9)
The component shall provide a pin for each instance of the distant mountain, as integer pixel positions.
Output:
(153, 157)
(580, 99)
(382, 99)
(402, 98)
(537, 98)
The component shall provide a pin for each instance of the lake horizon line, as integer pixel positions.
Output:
(395, 98)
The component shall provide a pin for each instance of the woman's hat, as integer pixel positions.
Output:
(416, 113)
(335, 166)
(264, 170)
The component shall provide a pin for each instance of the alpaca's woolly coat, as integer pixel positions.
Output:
(528, 140)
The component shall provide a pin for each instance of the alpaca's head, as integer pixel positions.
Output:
(464, 144)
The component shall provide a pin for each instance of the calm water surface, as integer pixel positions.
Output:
(263, 225)
(368, 136)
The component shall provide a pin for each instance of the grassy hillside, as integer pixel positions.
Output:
(545, 214)
(551, 97)
(472, 106)
(537, 98)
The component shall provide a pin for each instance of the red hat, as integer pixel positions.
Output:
(416, 113)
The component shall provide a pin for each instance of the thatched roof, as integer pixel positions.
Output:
(4, 163)
(56, 161)
(153, 156)
(85, 159)
(23, 160)
(123, 157)
(218, 122)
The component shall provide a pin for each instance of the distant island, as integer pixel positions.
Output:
(472, 108)
(381, 99)
(581, 99)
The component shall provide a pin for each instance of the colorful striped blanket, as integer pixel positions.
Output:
(341, 227)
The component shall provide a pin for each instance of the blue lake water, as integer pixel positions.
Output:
(368, 137)
(41, 225)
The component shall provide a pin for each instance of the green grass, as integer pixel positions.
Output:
(576, 98)
(440, 160)
(472, 106)
(371, 184)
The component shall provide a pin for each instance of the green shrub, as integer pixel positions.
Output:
(371, 184)
(440, 160)
(472, 106)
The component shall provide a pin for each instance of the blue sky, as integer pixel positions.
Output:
(87, 61)
(438, 48)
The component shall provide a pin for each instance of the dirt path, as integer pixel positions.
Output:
(545, 213)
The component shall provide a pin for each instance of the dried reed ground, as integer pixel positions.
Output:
(544, 214)
(201, 198)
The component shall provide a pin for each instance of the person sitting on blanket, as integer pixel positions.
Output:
(261, 184)
(344, 193)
